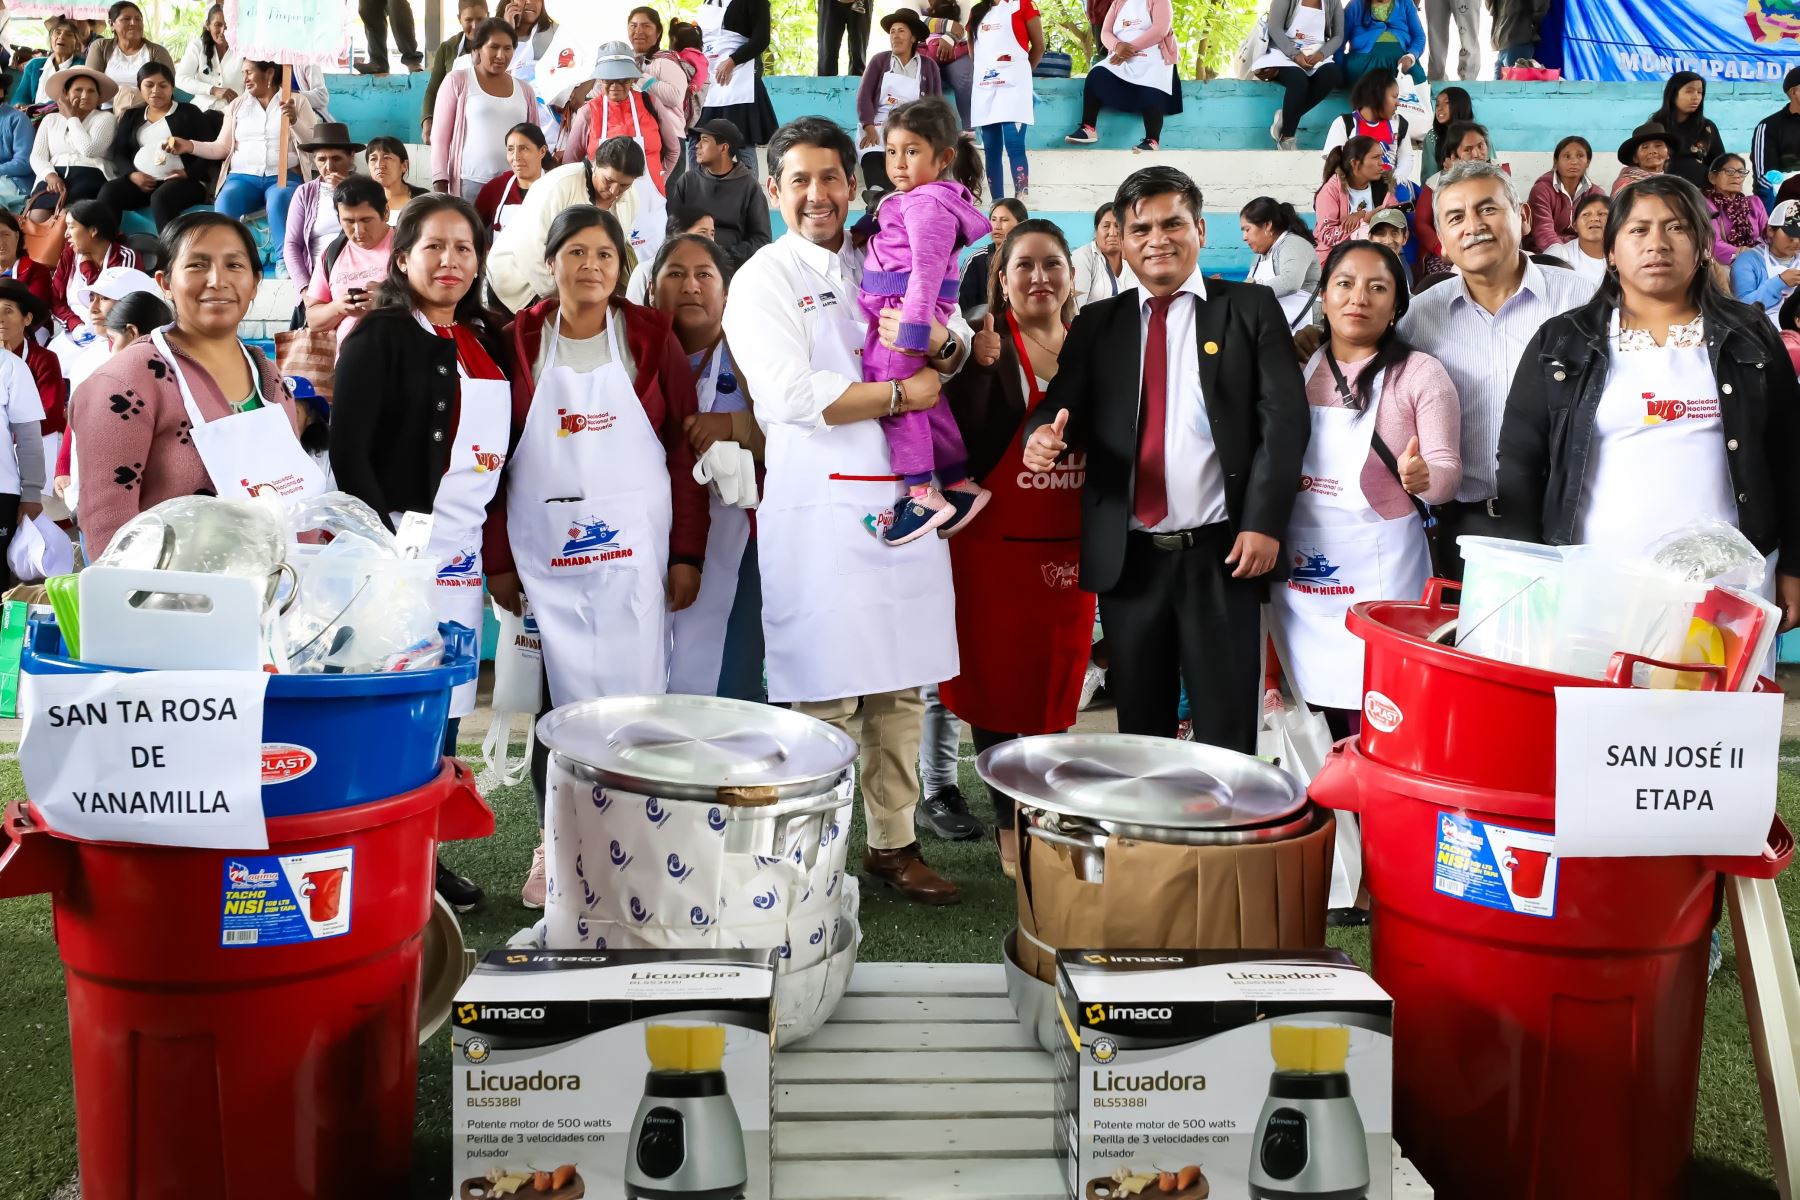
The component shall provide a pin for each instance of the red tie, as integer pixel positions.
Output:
(1150, 504)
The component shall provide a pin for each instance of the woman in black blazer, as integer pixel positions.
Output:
(138, 144)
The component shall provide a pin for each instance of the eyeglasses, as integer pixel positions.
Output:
(1734, 172)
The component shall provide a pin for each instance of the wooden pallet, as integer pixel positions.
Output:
(963, 1109)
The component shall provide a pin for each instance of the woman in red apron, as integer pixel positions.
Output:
(1023, 625)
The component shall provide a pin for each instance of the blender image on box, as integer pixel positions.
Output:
(1310, 1139)
(686, 1140)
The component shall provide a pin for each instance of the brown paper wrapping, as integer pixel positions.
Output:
(1157, 896)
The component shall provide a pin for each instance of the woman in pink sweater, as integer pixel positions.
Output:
(137, 448)
(1356, 187)
(1386, 428)
(475, 110)
(1138, 74)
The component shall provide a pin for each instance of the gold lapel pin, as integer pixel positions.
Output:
(1211, 347)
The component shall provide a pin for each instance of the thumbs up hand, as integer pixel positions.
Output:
(1415, 474)
(987, 343)
(1046, 444)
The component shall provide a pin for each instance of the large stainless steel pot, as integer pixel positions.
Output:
(695, 822)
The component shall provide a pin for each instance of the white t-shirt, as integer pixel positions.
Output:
(485, 122)
(1571, 253)
(21, 402)
(1360, 198)
(585, 354)
(122, 69)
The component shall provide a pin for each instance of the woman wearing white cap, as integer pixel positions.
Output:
(619, 109)
(475, 109)
(82, 348)
(72, 152)
(1766, 275)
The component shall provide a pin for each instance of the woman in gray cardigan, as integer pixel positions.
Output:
(1303, 37)
(1286, 262)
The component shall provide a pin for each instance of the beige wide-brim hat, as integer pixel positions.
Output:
(53, 88)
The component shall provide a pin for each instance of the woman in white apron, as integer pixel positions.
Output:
(422, 415)
(1356, 532)
(1384, 445)
(1138, 74)
(1286, 263)
(527, 156)
(239, 435)
(734, 37)
(893, 77)
(718, 640)
(1661, 402)
(1007, 40)
(1303, 35)
(618, 109)
(604, 527)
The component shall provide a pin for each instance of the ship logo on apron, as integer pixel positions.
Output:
(1060, 575)
(568, 422)
(461, 570)
(586, 536)
(1316, 575)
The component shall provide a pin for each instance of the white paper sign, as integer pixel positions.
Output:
(1646, 772)
(163, 758)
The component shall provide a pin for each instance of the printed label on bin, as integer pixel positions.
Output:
(1513, 870)
(284, 761)
(281, 899)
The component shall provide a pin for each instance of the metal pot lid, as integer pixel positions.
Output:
(1146, 782)
(698, 747)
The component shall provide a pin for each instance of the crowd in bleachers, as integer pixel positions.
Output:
(588, 313)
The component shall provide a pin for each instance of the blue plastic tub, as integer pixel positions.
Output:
(329, 741)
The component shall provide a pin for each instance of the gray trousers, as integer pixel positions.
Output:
(939, 745)
(1437, 37)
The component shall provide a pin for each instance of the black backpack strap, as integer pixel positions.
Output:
(335, 251)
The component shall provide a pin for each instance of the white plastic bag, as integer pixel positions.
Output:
(1297, 740)
(518, 689)
(1416, 105)
(39, 550)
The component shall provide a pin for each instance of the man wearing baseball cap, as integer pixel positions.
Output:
(1767, 275)
(1775, 146)
(724, 187)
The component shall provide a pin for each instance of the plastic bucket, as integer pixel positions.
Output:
(1536, 1057)
(238, 1070)
(1511, 595)
(329, 741)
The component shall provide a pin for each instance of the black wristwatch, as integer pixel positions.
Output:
(952, 345)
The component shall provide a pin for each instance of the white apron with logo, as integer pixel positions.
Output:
(1294, 304)
(588, 514)
(1307, 33)
(247, 453)
(1146, 68)
(844, 613)
(459, 510)
(511, 200)
(1659, 422)
(1002, 89)
(700, 628)
(896, 89)
(1343, 552)
(649, 224)
(718, 44)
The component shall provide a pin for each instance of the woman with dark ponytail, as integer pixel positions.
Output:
(1285, 259)
(911, 264)
(1356, 185)
(1385, 445)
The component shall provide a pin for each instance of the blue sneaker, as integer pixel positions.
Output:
(916, 516)
(966, 503)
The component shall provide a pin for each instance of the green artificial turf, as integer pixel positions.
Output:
(1731, 1155)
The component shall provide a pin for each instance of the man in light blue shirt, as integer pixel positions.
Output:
(1478, 322)
(1768, 273)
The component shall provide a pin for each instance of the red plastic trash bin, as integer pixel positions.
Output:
(1547, 1014)
(210, 1063)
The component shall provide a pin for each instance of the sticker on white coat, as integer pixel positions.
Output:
(1381, 712)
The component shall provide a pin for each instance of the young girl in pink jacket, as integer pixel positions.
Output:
(911, 264)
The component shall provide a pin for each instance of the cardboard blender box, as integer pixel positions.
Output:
(1223, 1075)
(613, 1073)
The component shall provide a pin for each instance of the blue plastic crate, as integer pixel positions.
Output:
(368, 736)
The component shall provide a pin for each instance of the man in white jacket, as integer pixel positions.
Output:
(517, 273)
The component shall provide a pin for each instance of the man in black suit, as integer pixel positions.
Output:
(1192, 467)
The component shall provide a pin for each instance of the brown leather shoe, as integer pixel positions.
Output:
(904, 871)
